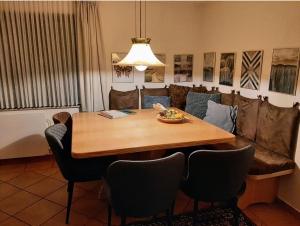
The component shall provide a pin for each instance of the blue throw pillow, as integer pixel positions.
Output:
(196, 103)
(150, 100)
(222, 116)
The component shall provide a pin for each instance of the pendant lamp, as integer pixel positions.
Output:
(140, 55)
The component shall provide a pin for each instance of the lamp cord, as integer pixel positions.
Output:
(140, 18)
(135, 33)
(145, 21)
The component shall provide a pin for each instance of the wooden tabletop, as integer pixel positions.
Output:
(95, 135)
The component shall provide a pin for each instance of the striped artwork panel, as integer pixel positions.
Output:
(251, 69)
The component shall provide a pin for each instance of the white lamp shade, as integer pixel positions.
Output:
(141, 67)
(140, 54)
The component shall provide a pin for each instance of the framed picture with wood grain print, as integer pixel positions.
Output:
(284, 70)
(227, 64)
(209, 61)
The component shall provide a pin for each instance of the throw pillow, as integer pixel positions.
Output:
(196, 103)
(119, 100)
(246, 120)
(178, 95)
(277, 128)
(150, 100)
(222, 116)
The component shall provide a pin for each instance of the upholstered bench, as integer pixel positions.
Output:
(273, 132)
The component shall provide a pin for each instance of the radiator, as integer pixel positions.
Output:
(22, 132)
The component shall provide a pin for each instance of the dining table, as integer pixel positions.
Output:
(94, 135)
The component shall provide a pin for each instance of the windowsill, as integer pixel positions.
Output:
(39, 108)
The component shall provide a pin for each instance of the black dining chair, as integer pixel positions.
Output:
(217, 176)
(73, 170)
(144, 188)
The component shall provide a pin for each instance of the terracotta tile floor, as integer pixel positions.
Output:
(33, 192)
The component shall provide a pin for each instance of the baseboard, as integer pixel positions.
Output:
(291, 209)
(26, 159)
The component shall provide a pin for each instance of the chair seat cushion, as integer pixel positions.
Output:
(266, 162)
(150, 100)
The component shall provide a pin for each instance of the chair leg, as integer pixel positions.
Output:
(109, 215)
(123, 220)
(173, 208)
(236, 211)
(169, 217)
(195, 212)
(70, 195)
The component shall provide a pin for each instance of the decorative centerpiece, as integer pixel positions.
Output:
(169, 115)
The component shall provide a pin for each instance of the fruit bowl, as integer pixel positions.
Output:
(170, 116)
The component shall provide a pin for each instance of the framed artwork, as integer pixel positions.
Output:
(284, 70)
(209, 61)
(227, 64)
(183, 68)
(156, 74)
(122, 74)
(251, 69)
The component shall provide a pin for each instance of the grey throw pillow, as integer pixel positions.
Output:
(196, 103)
(220, 115)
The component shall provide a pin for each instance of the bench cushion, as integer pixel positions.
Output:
(277, 129)
(247, 116)
(119, 100)
(266, 162)
(178, 95)
(153, 92)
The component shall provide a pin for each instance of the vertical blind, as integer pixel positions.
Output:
(38, 60)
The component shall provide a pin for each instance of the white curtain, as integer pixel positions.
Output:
(38, 55)
(90, 56)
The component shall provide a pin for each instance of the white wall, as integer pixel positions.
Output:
(186, 27)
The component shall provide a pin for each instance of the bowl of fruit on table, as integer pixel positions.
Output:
(171, 116)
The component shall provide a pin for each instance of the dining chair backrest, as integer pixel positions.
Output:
(144, 188)
(58, 140)
(218, 175)
(64, 118)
